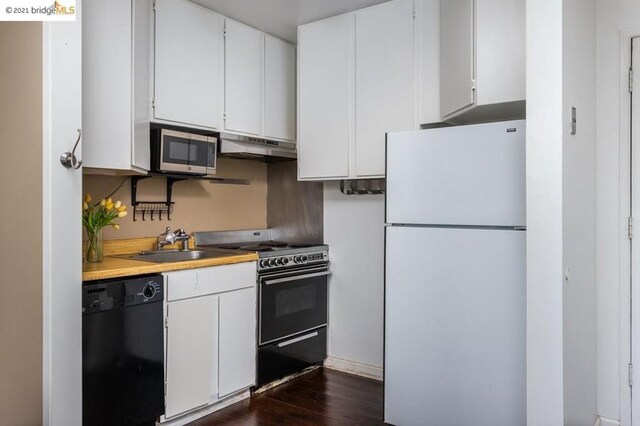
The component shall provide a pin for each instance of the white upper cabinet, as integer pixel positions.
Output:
(384, 81)
(115, 75)
(181, 47)
(279, 89)
(244, 78)
(482, 60)
(325, 98)
(456, 55)
(428, 23)
(356, 82)
(259, 84)
(189, 56)
(215, 73)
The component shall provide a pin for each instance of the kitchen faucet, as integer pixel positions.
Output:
(168, 237)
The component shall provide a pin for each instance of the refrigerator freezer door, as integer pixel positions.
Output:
(455, 327)
(466, 175)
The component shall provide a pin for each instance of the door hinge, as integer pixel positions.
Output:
(224, 33)
(414, 12)
(630, 80)
(473, 84)
(153, 102)
(166, 322)
(224, 116)
(630, 228)
(154, 5)
(630, 375)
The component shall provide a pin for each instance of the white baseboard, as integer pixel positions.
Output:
(605, 421)
(352, 367)
(198, 414)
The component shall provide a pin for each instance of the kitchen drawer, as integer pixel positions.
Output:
(203, 281)
(291, 355)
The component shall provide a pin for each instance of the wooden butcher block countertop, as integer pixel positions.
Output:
(115, 266)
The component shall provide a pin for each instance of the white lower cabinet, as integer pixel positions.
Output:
(191, 349)
(237, 351)
(210, 336)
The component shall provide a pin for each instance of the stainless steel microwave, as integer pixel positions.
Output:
(174, 151)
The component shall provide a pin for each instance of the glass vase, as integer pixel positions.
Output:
(94, 249)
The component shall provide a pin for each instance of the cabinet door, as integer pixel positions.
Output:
(106, 77)
(237, 334)
(244, 50)
(428, 21)
(188, 54)
(192, 325)
(142, 12)
(325, 98)
(279, 89)
(500, 51)
(384, 80)
(456, 55)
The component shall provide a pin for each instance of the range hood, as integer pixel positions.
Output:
(248, 147)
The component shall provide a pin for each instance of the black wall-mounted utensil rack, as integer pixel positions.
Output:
(165, 207)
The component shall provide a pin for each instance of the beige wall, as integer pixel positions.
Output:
(21, 222)
(199, 205)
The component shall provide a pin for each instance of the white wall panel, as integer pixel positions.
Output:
(354, 231)
(544, 213)
(579, 213)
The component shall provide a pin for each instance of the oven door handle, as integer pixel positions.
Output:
(296, 278)
(297, 339)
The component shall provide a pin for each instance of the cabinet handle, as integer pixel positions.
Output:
(297, 339)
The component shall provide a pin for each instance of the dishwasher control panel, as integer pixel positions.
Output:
(119, 293)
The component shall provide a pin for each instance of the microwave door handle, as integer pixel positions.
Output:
(297, 278)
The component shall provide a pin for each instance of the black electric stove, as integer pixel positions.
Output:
(292, 293)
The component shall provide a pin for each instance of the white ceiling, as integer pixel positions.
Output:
(282, 17)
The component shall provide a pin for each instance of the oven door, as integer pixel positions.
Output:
(185, 152)
(292, 302)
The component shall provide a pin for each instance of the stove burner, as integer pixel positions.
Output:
(273, 244)
(229, 246)
(258, 248)
(301, 245)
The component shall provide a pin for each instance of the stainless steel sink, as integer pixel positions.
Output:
(165, 256)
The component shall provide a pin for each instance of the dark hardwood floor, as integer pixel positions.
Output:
(321, 397)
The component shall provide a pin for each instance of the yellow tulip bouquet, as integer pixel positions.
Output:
(94, 218)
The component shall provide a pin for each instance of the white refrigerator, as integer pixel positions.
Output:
(455, 276)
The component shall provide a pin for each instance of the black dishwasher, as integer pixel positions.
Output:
(122, 351)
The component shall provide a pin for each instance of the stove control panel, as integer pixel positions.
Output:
(293, 260)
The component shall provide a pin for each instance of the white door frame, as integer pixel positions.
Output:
(627, 322)
(62, 229)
